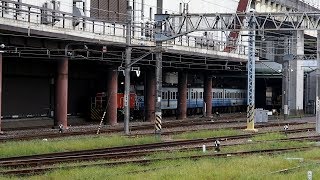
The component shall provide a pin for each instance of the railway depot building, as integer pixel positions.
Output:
(66, 59)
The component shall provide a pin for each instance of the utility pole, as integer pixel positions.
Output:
(158, 112)
(127, 73)
(318, 85)
(251, 75)
(285, 77)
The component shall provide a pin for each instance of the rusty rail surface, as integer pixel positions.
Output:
(119, 152)
(166, 126)
(36, 170)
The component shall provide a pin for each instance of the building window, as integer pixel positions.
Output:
(5, 7)
(18, 7)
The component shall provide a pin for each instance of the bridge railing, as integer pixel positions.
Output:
(47, 17)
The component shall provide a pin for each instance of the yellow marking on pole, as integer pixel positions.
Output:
(250, 118)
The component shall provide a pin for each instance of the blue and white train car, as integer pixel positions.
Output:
(222, 98)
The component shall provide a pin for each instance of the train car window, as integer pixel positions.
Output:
(201, 95)
(220, 95)
(163, 95)
(166, 95)
(187, 95)
(197, 95)
(139, 92)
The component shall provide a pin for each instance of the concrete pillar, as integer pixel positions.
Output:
(150, 96)
(182, 95)
(258, 5)
(0, 90)
(274, 7)
(268, 6)
(263, 7)
(61, 102)
(112, 90)
(207, 94)
(296, 84)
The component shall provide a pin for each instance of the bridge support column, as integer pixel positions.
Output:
(296, 83)
(150, 96)
(62, 93)
(207, 94)
(112, 89)
(182, 95)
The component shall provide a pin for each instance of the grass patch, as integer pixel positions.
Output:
(265, 145)
(207, 134)
(268, 137)
(23, 148)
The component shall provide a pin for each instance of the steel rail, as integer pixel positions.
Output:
(76, 154)
(28, 171)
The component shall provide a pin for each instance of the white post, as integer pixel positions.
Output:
(204, 148)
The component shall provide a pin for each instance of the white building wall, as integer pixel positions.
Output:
(176, 7)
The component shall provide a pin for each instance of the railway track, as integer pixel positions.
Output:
(36, 170)
(120, 152)
(167, 126)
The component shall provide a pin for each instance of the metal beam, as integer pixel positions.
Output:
(251, 77)
(175, 25)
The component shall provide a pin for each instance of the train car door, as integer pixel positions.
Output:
(168, 105)
(196, 96)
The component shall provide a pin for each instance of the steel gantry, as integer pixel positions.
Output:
(176, 25)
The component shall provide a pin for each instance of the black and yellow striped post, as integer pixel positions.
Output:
(158, 123)
(250, 117)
